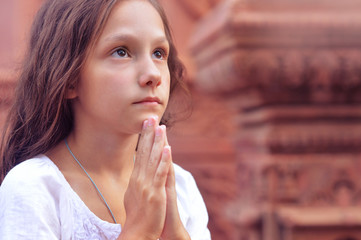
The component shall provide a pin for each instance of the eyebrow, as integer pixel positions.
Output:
(130, 37)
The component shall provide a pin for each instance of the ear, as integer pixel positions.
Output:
(71, 92)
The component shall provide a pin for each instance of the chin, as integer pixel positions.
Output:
(146, 116)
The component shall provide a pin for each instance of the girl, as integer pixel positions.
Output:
(98, 73)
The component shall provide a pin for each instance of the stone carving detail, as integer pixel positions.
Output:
(309, 184)
(293, 75)
(340, 187)
(305, 137)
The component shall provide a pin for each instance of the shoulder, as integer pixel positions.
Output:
(36, 171)
(29, 200)
(35, 179)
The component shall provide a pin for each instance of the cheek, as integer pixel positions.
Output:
(168, 85)
(111, 79)
(100, 88)
(166, 77)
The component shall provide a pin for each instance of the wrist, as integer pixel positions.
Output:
(180, 235)
(127, 235)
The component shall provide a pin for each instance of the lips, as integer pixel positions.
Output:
(153, 100)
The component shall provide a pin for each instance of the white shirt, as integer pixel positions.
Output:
(36, 202)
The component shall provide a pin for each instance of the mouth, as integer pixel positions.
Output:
(149, 100)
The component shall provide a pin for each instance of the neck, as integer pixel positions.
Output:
(103, 154)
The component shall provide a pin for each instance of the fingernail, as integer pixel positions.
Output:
(158, 131)
(162, 127)
(151, 121)
(145, 123)
(167, 150)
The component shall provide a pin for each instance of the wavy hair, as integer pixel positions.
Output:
(61, 35)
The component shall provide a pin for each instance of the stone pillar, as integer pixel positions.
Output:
(292, 69)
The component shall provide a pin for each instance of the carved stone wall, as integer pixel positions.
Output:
(292, 69)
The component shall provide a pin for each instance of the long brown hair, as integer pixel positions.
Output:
(61, 35)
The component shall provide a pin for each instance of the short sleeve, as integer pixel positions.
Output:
(193, 209)
(28, 205)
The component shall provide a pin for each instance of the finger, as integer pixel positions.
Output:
(138, 153)
(171, 175)
(170, 184)
(166, 137)
(156, 153)
(145, 145)
(163, 168)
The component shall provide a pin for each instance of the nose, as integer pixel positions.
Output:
(150, 74)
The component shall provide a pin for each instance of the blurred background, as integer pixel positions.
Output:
(274, 141)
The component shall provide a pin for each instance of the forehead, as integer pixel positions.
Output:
(137, 17)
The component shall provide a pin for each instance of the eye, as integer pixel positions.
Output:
(160, 54)
(121, 53)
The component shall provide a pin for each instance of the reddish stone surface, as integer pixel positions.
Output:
(201, 144)
(7, 85)
(15, 20)
(293, 72)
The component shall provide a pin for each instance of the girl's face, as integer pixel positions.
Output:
(125, 78)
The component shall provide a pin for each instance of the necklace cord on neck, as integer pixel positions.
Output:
(101, 195)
